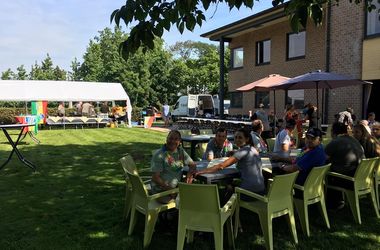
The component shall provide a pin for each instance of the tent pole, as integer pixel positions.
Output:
(274, 110)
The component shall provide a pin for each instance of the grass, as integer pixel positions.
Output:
(75, 199)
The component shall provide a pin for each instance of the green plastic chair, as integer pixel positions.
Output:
(271, 142)
(278, 202)
(183, 132)
(206, 131)
(363, 184)
(146, 204)
(199, 210)
(377, 183)
(128, 163)
(312, 192)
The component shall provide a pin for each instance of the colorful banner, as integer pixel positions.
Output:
(39, 109)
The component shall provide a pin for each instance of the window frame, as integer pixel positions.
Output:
(233, 58)
(366, 35)
(259, 95)
(262, 49)
(233, 99)
(288, 45)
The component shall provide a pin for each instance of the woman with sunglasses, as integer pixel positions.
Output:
(247, 162)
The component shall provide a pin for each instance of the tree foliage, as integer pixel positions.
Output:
(153, 16)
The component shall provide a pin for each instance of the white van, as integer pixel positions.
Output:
(194, 105)
(226, 105)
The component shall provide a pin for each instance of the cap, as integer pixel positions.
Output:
(261, 105)
(314, 132)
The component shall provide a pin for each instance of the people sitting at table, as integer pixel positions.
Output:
(78, 108)
(104, 108)
(376, 130)
(61, 109)
(311, 156)
(219, 146)
(369, 143)
(344, 153)
(167, 164)
(258, 141)
(86, 109)
(283, 142)
(247, 161)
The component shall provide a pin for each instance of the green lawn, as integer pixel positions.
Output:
(75, 199)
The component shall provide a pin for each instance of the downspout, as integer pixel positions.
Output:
(221, 77)
(328, 49)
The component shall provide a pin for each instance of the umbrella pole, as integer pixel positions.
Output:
(317, 82)
(274, 111)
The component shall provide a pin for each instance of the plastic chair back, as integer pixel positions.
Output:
(282, 188)
(138, 187)
(128, 163)
(364, 174)
(313, 186)
(199, 198)
(184, 132)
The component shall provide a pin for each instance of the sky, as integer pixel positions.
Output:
(31, 29)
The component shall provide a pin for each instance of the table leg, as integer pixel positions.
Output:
(15, 150)
(192, 150)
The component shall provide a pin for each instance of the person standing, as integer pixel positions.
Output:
(371, 119)
(311, 115)
(263, 116)
(61, 109)
(166, 113)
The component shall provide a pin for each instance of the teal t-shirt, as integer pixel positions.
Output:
(170, 165)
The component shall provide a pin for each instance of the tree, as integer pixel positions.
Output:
(154, 16)
(7, 75)
(75, 73)
(21, 73)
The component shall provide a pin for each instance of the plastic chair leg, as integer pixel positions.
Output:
(181, 234)
(377, 185)
(302, 211)
(292, 224)
(322, 208)
(353, 201)
(218, 239)
(266, 227)
(150, 222)
(189, 236)
(237, 221)
(230, 232)
(127, 205)
(132, 221)
(373, 198)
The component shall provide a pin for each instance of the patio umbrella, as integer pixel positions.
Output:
(266, 84)
(318, 79)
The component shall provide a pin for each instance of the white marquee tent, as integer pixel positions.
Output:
(26, 90)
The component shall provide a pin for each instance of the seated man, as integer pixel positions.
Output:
(283, 142)
(344, 153)
(219, 146)
(167, 164)
(312, 156)
(376, 130)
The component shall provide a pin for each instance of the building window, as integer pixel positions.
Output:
(296, 44)
(297, 98)
(237, 58)
(263, 52)
(236, 99)
(373, 22)
(262, 97)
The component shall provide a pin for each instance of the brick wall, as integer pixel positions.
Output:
(314, 59)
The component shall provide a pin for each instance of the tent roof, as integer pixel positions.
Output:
(26, 90)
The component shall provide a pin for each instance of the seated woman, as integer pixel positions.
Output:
(247, 161)
(219, 146)
(258, 141)
(370, 145)
(167, 164)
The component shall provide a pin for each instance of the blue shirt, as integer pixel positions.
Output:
(307, 160)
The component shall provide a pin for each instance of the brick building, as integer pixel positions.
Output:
(347, 43)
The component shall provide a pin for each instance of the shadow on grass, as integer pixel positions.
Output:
(75, 201)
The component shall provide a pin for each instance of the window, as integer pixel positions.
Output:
(297, 97)
(373, 22)
(263, 52)
(237, 58)
(262, 97)
(296, 44)
(236, 100)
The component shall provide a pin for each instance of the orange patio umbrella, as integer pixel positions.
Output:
(266, 84)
